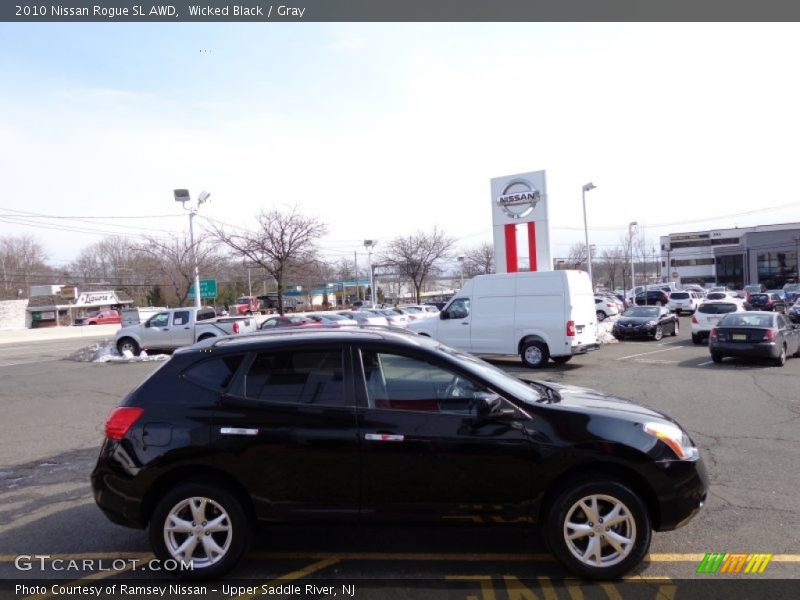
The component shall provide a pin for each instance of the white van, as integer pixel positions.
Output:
(539, 315)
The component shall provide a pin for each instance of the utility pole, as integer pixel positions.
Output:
(355, 268)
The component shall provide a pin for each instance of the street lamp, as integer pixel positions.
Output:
(461, 269)
(586, 188)
(631, 226)
(370, 245)
(183, 197)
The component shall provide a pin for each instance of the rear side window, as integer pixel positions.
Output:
(206, 314)
(299, 377)
(717, 309)
(215, 373)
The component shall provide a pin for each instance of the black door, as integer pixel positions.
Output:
(288, 428)
(425, 452)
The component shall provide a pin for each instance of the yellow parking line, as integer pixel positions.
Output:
(298, 574)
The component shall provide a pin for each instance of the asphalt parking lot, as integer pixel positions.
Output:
(744, 417)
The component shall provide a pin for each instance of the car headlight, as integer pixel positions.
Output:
(674, 437)
(651, 323)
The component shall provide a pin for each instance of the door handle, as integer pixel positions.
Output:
(465, 322)
(165, 329)
(237, 431)
(383, 437)
(187, 327)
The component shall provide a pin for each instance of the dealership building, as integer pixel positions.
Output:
(733, 257)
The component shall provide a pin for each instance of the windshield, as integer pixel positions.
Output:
(495, 376)
(243, 300)
(642, 311)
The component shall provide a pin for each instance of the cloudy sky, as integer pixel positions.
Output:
(381, 130)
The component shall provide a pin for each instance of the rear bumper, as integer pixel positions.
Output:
(584, 348)
(758, 350)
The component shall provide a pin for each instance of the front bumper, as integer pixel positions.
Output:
(682, 493)
(623, 332)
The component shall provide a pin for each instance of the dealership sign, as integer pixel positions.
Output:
(518, 199)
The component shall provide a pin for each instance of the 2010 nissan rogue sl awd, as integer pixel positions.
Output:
(375, 424)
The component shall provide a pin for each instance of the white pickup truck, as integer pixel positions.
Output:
(176, 327)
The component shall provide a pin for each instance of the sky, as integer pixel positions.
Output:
(381, 130)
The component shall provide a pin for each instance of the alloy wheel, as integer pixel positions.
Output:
(599, 530)
(198, 529)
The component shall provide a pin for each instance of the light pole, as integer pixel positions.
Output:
(631, 226)
(183, 197)
(370, 245)
(461, 269)
(586, 188)
(797, 258)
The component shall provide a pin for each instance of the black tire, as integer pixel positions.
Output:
(560, 360)
(601, 316)
(677, 329)
(658, 334)
(534, 354)
(638, 527)
(781, 360)
(696, 339)
(130, 344)
(240, 529)
(716, 357)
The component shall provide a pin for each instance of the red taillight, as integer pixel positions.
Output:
(120, 420)
(235, 327)
(609, 305)
(769, 302)
(770, 334)
(694, 319)
(570, 328)
(713, 334)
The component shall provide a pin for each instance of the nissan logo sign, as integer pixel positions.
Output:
(518, 199)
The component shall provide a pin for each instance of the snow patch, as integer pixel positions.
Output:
(106, 352)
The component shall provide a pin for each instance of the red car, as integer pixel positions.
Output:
(100, 317)
(247, 305)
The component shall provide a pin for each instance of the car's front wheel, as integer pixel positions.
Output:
(601, 316)
(128, 344)
(658, 333)
(201, 524)
(598, 528)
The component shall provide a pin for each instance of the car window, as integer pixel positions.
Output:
(204, 315)
(297, 377)
(180, 317)
(398, 382)
(642, 311)
(747, 320)
(215, 373)
(159, 320)
(459, 309)
(782, 323)
(717, 309)
(679, 295)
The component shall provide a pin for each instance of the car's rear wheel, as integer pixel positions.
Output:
(677, 329)
(716, 357)
(128, 344)
(781, 360)
(202, 524)
(598, 528)
(658, 333)
(696, 339)
(534, 354)
(601, 316)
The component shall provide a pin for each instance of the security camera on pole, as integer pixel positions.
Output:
(183, 197)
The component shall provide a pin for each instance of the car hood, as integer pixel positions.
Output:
(636, 320)
(581, 398)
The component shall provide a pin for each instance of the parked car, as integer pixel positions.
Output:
(755, 334)
(330, 319)
(419, 311)
(755, 288)
(697, 289)
(364, 318)
(652, 298)
(139, 314)
(247, 305)
(100, 317)
(176, 327)
(605, 307)
(793, 312)
(766, 301)
(393, 319)
(646, 321)
(723, 295)
(709, 314)
(791, 292)
(683, 301)
(538, 315)
(347, 424)
(279, 321)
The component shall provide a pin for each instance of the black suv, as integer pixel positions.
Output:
(652, 298)
(372, 424)
(766, 301)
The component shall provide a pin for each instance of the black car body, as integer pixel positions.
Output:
(359, 424)
(756, 334)
(652, 298)
(766, 301)
(646, 322)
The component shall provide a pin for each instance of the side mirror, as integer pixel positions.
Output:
(147, 323)
(444, 315)
(491, 406)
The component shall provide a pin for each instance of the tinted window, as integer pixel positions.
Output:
(459, 309)
(206, 314)
(297, 377)
(759, 297)
(398, 382)
(717, 309)
(181, 317)
(215, 373)
(680, 295)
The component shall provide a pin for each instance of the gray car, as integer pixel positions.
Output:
(755, 334)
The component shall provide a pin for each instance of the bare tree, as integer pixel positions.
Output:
(417, 256)
(283, 240)
(479, 260)
(576, 257)
(21, 263)
(172, 258)
(614, 260)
